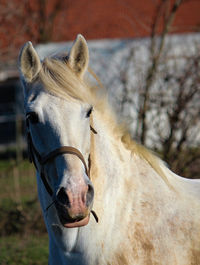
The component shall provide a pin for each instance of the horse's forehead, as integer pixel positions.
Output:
(48, 104)
(36, 100)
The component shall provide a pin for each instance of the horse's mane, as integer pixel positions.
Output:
(58, 78)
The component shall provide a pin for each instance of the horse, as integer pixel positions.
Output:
(106, 200)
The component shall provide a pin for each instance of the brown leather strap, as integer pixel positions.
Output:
(93, 130)
(59, 151)
(42, 160)
(64, 150)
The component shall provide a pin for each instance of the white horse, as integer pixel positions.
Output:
(86, 162)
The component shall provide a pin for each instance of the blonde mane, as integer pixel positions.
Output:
(58, 78)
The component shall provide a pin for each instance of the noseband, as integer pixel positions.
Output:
(42, 160)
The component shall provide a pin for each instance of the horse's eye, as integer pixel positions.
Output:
(32, 117)
(89, 112)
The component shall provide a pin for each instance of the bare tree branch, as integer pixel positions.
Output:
(155, 61)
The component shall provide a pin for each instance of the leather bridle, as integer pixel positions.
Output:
(42, 160)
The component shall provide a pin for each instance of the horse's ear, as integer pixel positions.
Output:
(29, 62)
(79, 56)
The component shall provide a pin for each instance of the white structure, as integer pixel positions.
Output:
(127, 60)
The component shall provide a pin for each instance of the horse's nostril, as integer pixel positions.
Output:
(90, 195)
(62, 197)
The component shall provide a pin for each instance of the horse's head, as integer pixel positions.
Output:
(59, 128)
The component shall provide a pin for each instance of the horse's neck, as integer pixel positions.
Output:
(110, 158)
(112, 176)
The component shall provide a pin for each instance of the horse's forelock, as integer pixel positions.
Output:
(58, 78)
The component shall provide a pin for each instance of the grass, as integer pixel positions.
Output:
(24, 240)
(15, 183)
(27, 250)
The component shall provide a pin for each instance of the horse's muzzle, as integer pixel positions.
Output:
(74, 205)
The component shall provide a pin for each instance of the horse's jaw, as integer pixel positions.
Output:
(65, 239)
(64, 235)
(60, 237)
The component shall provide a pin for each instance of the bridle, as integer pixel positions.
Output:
(42, 160)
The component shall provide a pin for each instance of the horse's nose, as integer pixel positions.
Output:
(77, 200)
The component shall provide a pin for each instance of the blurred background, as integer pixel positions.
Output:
(146, 54)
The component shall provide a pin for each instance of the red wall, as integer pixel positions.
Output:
(23, 20)
(124, 18)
